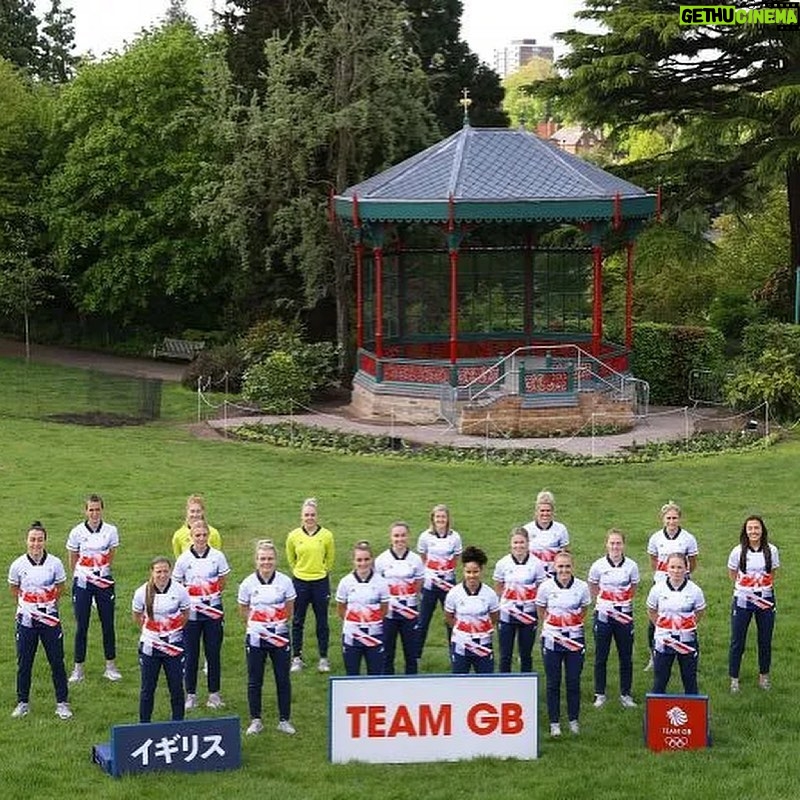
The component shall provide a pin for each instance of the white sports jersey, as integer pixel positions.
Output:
(94, 553)
(753, 588)
(37, 584)
(268, 618)
(402, 574)
(616, 586)
(677, 608)
(564, 612)
(164, 631)
(662, 546)
(546, 543)
(472, 610)
(440, 555)
(363, 617)
(520, 580)
(200, 575)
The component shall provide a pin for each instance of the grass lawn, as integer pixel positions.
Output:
(253, 491)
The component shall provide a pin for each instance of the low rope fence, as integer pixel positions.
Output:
(592, 438)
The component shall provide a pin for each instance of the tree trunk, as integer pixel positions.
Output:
(793, 192)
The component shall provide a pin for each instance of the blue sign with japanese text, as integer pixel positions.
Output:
(187, 746)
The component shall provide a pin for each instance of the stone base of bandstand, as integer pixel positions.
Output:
(512, 416)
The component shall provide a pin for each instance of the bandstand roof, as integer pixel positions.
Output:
(494, 174)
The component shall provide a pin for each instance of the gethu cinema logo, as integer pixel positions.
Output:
(731, 15)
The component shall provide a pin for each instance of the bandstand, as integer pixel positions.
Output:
(468, 310)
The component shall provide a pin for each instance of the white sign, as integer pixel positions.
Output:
(414, 718)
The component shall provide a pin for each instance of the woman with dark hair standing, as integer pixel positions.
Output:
(91, 546)
(440, 546)
(36, 580)
(472, 610)
(161, 609)
(751, 566)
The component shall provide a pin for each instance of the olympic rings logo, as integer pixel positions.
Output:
(676, 742)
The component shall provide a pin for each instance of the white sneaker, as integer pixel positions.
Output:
(574, 727)
(599, 700)
(76, 676)
(20, 711)
(734, 686)
(297, 664)
(764, 682)
(284, 726)
(555, 729)
(215, 701)
(649, 665)
(626, 701)
(63, 711)
(191, 702)
(255, 726)
(324, 665)
(112, 673)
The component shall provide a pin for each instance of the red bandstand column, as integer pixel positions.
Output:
(597, 304)
(378, 252)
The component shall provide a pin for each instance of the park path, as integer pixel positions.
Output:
(661, 424)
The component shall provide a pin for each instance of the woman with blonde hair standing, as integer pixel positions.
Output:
(182, 538)
(266, 603)
(310, 554)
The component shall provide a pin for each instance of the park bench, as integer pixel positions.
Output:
(180, 349)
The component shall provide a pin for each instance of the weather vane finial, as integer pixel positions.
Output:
(466, 102)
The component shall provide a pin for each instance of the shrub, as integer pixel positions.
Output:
(731, 311)
(759, 338)
(278, 384)
(319, 360)
(265, 337)
(773, 380)
(212, 365)
(664, 355)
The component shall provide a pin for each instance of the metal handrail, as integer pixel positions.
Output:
(533, 348)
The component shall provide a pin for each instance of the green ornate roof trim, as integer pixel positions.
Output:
(641, 207)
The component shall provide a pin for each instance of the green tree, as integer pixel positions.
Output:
(131, 133)
(731, 90)
(451, 67)
(519, 103)
(19, 34)
(57, 60)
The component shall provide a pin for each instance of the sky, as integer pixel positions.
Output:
(102, 25)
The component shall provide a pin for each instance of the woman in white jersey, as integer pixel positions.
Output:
(671, 538)
(546, 536)
(472, 610)
(440, 546)
(612, 584)
(266, 603)
(752, 567)
(403, 570)
(362, 600)
(203, 570)
(675, 606)
(516, 578)
(91, 546)
(161, 608)
(563, 601)
(37, 579)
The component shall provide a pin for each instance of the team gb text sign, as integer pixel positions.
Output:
(415, 718)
